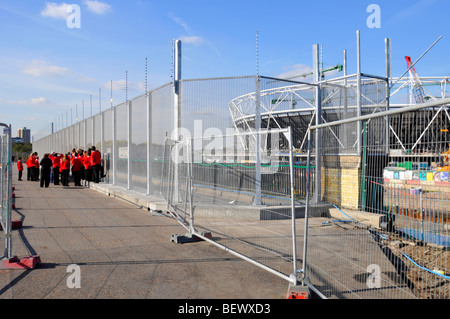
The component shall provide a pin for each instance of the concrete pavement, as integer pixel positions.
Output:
(120, 250)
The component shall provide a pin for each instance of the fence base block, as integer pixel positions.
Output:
(188, 238)
(29, 262)
(298, 292)
(14, 224)
(161, 213)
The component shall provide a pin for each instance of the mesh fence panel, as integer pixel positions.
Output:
(121, 155)
(220, 193)
(90, 131)
(98, 127)
(387, 232)
(6, 188)
(162, 125)
(138, 154)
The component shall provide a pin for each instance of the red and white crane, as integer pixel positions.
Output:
(416, 86)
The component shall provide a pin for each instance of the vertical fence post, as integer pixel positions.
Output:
(93, 133)
(358, 96)
(9, 191)
(318, 102)
(364, 169)
(258, 141)
(85, 135)
(307, 204)
(113, 151)
(6, 187)
(345, 115)
(388, 51)
(129, 140)
(102, 133)
(177, 111)
(150, 188)
(190, 159)
(294, 232)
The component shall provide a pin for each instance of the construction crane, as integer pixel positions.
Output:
(416, 85)
(338, 67)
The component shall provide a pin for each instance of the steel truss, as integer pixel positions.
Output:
(292, 105)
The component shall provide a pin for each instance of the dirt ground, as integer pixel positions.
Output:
(417, 261)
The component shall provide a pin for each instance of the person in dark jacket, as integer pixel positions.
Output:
(46, 167)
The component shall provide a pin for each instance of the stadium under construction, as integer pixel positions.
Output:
(407, 152)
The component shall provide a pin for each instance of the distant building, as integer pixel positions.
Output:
(17, 140)
(25, 134)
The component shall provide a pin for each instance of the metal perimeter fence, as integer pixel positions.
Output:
(6, 198)
(213, 187)
(138, 137)
(387, 232)
(363, 240)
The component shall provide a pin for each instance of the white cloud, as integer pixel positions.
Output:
(85, 79)
(122, 85)
(179, 21)
(192, 39)
(42, 68)
(56, 10)
(33, 101)
(297, 72)
(64, 10)
(97, 6)
(412, 10)
(38, 100)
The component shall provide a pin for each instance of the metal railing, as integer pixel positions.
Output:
(216, 194)
(387, 234)
(6, 188)
(138, 137)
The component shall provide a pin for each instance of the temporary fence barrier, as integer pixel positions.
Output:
(6, 188)
(212, 185)
(387, 232)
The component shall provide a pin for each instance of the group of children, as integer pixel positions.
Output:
(84, 165)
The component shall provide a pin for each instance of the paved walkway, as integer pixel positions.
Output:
(122, 252)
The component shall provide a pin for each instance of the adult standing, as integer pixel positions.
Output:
(20, 167)
(96, 162)
(30, 166)
(87, 167)
(36, 168)
(65, 170)
(56, 160)
(46, 168)
(76, 169)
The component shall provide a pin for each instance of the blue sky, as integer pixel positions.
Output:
(48, 68)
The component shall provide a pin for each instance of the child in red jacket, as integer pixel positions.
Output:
(76, 169)
(30, 166)
(20, 168)
(36, 168)
(65, 170)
